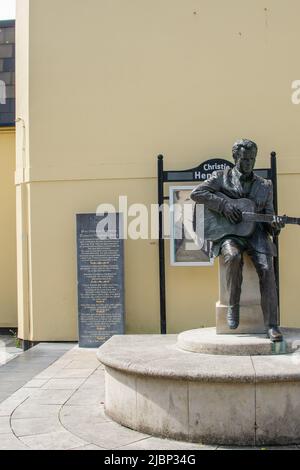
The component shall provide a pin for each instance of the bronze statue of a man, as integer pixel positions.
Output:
(241, 182)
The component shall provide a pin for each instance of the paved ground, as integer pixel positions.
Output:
(61, 405)
(19, 367)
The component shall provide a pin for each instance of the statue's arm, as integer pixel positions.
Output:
(205, 194)
(269, 209)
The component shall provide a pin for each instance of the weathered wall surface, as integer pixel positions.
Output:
(105, 86)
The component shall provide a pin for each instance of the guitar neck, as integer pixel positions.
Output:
(253, 217)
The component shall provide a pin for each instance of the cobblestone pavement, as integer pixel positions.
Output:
(62, 407)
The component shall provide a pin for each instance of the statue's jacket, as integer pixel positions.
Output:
(229, 182)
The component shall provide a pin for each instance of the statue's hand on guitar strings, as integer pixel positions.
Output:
(278, 222)
(232, 214)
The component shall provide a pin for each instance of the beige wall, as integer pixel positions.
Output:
(8, 262)
(109, 85)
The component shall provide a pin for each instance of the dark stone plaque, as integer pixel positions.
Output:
(100, 274)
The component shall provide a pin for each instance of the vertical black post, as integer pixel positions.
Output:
(161, 244)
(27, 344)
(276, 241)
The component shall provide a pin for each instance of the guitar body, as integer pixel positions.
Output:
(217, 226)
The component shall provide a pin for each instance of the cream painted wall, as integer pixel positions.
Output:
(109, 85)
(8, 261)
(53, 258)
(288, 189)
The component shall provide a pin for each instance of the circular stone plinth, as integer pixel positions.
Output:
(207, 341)
(154, 387)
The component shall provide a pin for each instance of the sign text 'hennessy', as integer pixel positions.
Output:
(199, 173)
(100, 270)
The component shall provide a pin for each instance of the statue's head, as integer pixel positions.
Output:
(244, 153)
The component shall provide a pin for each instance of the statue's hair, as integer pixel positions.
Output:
(242, 143)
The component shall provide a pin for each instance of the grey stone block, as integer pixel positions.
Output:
(6, 77)
(10, 91)
(222, 413)
(277, 415)
(8, 65)
(9, 35)
(121, 405)
(165, 403)
(7, 118)
(6, 50)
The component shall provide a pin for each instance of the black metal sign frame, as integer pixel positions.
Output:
(198, 174)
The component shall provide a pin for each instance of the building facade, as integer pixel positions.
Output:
(105, 86)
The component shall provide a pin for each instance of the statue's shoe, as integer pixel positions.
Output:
(274, 334)
(233, 316)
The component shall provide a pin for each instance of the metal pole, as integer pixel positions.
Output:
(275, 239)
(161, 244)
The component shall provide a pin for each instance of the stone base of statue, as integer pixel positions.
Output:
(251, 316)
(206, 388)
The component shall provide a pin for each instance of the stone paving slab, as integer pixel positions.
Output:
(73, 373)
(63, 384)
(5, 425)
(107, 435)
(51, 397)
(60, 440)
(88, 447)
(8, 406)
(49, 373)
(154, 443)
(83, 364)
(70, 414)
(88, 397)
(34, 426)
(31, 409)
(27, 365)
(36, 383)
(10, 442)
(4, 396)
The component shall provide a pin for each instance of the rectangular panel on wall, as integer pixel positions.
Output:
(100, 278)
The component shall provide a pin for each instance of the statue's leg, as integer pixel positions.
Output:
(269, 301)
(233, 261)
